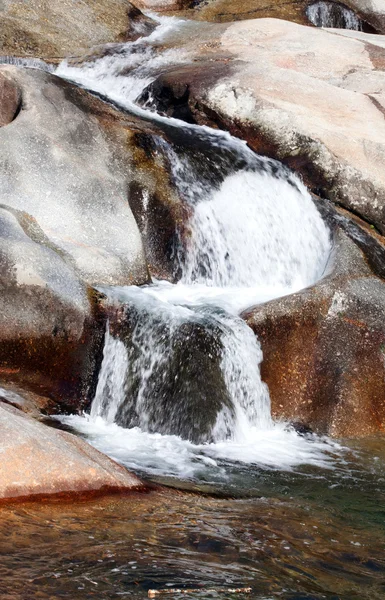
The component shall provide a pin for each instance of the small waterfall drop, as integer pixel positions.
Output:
(178, 360)
(334, 15)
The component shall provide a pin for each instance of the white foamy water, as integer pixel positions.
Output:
(178, 358)
(166, 455)
(333, 14)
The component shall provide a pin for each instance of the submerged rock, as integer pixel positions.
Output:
(312, 98)
(39, 460)
(57, 28)
(324, 349)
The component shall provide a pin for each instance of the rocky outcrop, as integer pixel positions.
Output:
(58, 28)
(309, 97)
(324, 348)
(70, 166)
(221, 11)
(10, 99)
(57, 165)
(369, 13)
(37, 460)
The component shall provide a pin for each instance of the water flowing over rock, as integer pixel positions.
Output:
(324, 349)
(58, 28)
(66, 224)
(166, 360)
(208, 253)
(309, 97)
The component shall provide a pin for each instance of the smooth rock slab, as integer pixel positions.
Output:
(57, 165)
(38, 460)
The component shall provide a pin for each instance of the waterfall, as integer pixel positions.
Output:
(178, 360)
(333, 14)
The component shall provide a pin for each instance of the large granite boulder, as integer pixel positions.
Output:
(310, 97)
(37, 460)
(57, 165)
(58, 28)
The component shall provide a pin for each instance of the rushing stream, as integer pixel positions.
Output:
(180, 401)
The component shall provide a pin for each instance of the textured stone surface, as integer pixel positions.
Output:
(221, 11)
(324, 349)
(36, 459)
(9, 100)
(312, 98)
(57, 165)
(58, 28)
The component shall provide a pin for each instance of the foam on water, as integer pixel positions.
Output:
(277, 448)
(255, 235)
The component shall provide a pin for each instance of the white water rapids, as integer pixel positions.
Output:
(183, 360)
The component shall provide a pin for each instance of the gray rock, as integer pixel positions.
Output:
(312, 98)
(58, 28)
(57, 165)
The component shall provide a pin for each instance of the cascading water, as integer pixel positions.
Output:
(333, 14)
(180, 385)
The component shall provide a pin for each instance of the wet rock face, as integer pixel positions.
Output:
(221, 11)
(324, 349)
(333, 14)
(311, 98)
(9, 100)
(39, 460)
(183, 390)
(49, 337)
(58, 28)
(371, 11)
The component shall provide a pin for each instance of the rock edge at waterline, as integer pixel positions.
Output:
(37, 460)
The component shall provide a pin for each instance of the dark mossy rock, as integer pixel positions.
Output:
(174, 382)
